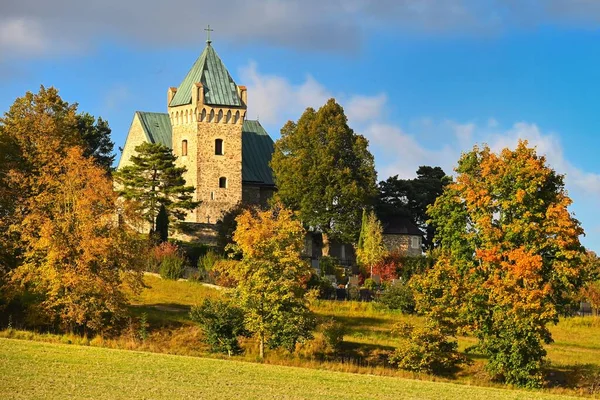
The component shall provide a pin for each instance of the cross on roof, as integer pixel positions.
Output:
(208, 31)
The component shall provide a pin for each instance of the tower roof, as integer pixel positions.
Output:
(219, 87)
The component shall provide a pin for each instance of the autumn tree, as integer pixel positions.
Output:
(511, 258)
(272, 277)
(325, 172)
(76, 257)
(371, 248)
(152, 181)
(410, 198)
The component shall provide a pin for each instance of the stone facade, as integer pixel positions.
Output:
(135, 137)
(407, 244)
(200, 125)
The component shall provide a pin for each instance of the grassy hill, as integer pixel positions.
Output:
(35, 370)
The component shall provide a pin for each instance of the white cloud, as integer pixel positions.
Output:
(21, 35)
(333, 25)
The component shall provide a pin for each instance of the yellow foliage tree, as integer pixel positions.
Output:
(77, 257)
(505, 228)
(371, 248)
(272, 277)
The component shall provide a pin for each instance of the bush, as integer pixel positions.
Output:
(222, 324)
(370, 284)
(222, 273)
(396, 265)
(328, 265)
(333, 333)
(322, 285)
(206, 263)
(426, 350)
(399, 296)
(172, 267)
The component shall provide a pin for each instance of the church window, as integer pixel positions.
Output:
(186, 117)
(177, 118)
(219, 147)
(211, 116)
(414, 242)
(222, 182)
(184, 147)
(220, 116)
(237, 117)
(212, 195)
(228, 117)
(203, 115)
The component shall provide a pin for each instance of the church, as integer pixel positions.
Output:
(226, 156)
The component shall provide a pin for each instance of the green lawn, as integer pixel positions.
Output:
(35, 370)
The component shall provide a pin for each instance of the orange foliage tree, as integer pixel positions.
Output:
(76, 256)
(505, 230)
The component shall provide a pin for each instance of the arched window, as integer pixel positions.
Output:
(237, 117)
(228, 117)
(184, 147)
(203, 115)
(219, 147)
(177, 118)
(211, 116)
(186, 116)
(222, 182)
(220, 116)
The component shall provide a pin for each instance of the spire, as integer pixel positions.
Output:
(208, 31)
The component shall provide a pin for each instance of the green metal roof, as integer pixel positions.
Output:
(219, 87)
(157, 127)
(257, 150)
(257, 145)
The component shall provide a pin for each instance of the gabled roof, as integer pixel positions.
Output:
(157, 127)
(400, 226)
(257, 145)
(219, 87)
(257, 150)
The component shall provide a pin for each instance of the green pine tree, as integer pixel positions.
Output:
(152, 180)
(162, 224)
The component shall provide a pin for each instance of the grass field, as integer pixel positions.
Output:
(574, 357)
(36, 370)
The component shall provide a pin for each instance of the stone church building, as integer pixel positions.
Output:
(227, 156)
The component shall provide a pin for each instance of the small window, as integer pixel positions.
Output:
(184, 147)
(222, 182)
(219, 147)
(414, 242)
(212, 195)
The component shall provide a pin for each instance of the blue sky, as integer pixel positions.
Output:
(422, 80)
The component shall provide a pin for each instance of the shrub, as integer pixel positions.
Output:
(333, 333)
(158, 253)
(396, 265)
(370, 284)
(172, 267)
(222, 324)
(222, 273)
(322, 285)
(206, 263)
(328, 265)
(426, 350)
(399, 296)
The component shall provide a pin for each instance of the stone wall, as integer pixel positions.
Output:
(402, 243)
(135, 137)
(250, 194)
(201, 125)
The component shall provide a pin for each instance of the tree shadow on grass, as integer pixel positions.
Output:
(585, 377)
(163, 315)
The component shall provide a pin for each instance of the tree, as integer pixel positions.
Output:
(325, 172)
(371, 249)
(76, 257)
(222, 323)
(512, 258)
(411, 197)
(272, 277)
(162, 224)
(152, 181)
(96, 136)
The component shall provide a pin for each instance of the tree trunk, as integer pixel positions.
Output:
(262, 346)
(325, 249)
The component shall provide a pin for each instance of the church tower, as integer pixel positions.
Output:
(207, 113)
